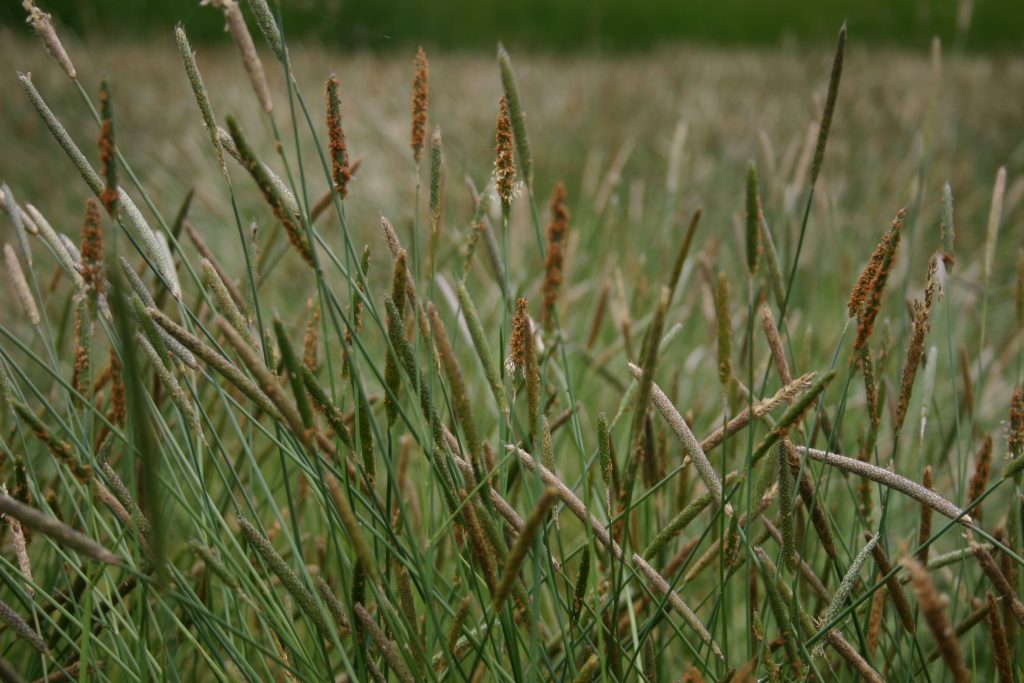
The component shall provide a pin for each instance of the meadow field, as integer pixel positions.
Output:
(688, 364)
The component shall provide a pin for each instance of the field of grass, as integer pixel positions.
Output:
(567, 26)
(257, 430)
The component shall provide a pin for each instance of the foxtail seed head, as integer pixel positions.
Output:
(933, 607)
(869, 298)
(554, 262)
(195, 80)
(341, 172)
(753, 219)
(724, 330)
(420, 103)
(43, 26)
(108, 155)
(830, 105)
(504, 157)
(436, 181)
(268, 26)
(518, 117)
(22, 292)
(250, 58)
(1016, 436)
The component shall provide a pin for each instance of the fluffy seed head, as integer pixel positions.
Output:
(504, 156)
(933, 606)
(436, 181)
(420, 103)
(554, 262)
(341, 172)
(915, 352)
(108, 160)
(118, 395)
(520, 335)
(1000, 647)
(268, 26)
(195, 80)
(1017, 422)
(250, 58)
(881, 264)
(724, 330)
(518, 117)
(16, 276)
(41, 24)
(273, 195)
(81, 379)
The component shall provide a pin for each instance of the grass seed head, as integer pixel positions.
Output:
(830, 105)
(22, 291)
(268, 26)
(1016, 434)
(436, 182)
(753, 219)
(554, 261)
(518, 117)
(504, 157)
(341, 172)
(933, 606)
(108, 153)
(81, 378)
(250, 58)
(195, 80)
(724, 330)
(883, 259)
(420, 103)
(43, 26)
(979, 480)
(273, 195)
(1000, 647)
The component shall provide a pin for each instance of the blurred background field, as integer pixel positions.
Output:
(603, 123)
(571, 25)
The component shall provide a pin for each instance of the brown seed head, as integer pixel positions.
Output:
(504, 156)
(867, 299)
(933, 290)
(291, 222)
(1017, 422)
(420, 103)
(554, 262)
(108, 160)
(982, 469)
(341, 172)
(915, 351)
(118, 400)
(92, 249)
(520, 335)
(81, 379)
(1000, 646)
(933, 607)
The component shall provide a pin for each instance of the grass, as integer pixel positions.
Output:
(317, 464)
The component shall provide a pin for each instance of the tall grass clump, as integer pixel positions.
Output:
(247, 437)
